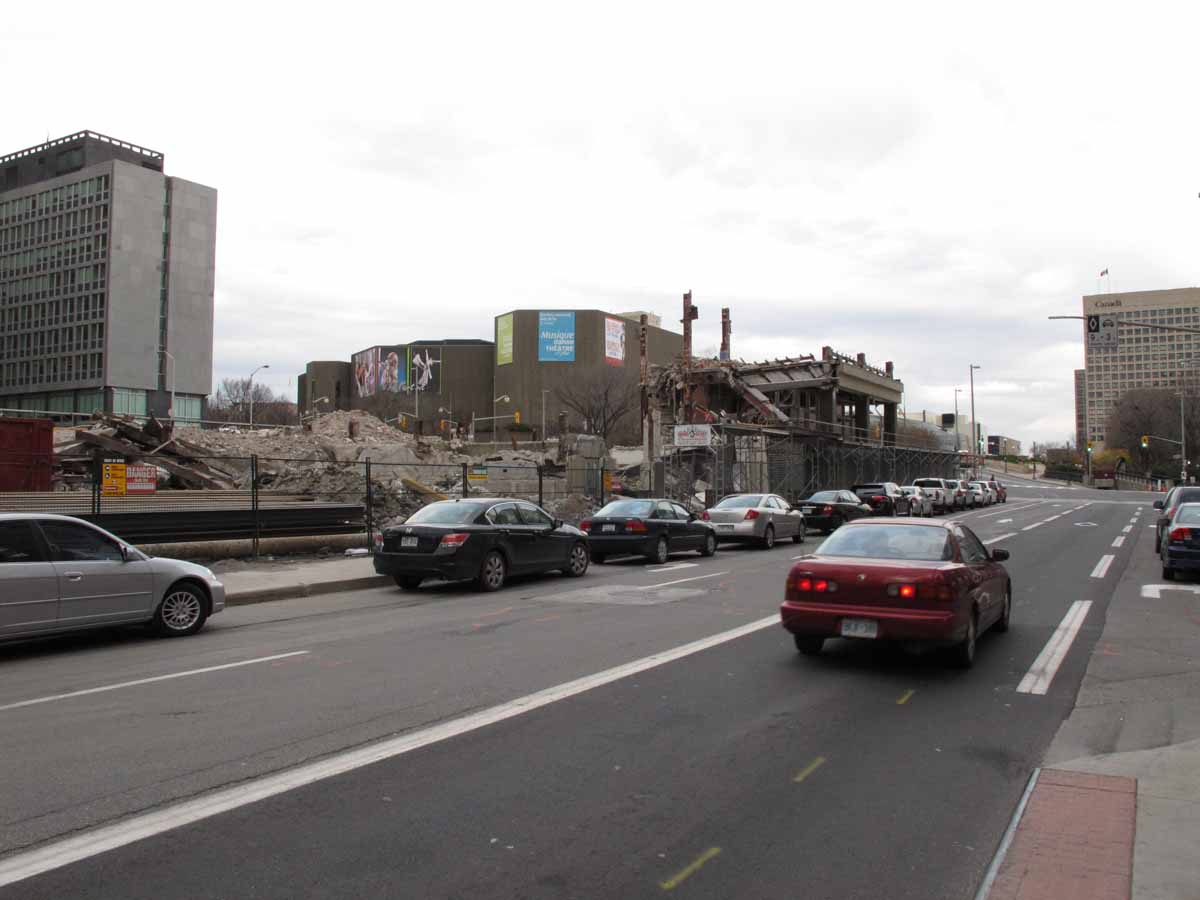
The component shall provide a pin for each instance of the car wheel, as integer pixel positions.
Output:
(577, 562)
(768, 540)
(492, 571)
(1168, 573)
(598, 558)
(800, 535)
(809, 646)
(408, 582)
(1006, 613)
(181, 612)
(964, 653)
(661, 553)
(710, 545)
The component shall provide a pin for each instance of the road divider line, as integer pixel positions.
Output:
(1118, 541)
(1031, 527)
(809, 769)
(1102, 567)
(1000, 537)
(689, 870)
(139, 681)
(670, 567)
(650, 587)
(905, 697)
(1127, 529)
(92, 842)
(1041, 673)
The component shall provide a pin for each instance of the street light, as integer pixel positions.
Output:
(171, 409)
(503, 398)
(957, 445)
(545, 391)
(974, 438)
(316, 412)
(251, 391)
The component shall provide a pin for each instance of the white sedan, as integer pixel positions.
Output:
(920, 502)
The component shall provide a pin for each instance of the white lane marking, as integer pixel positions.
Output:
(1031, 527)
(1151, 526)
(109, 837)
(650, 587)
(1003, 521)
(1052, 518)
(125, 684)
(1102, 567)
(1041, 673)
(1154, 591)
(1127, 529)
(1000, 538)
(1118, 541)
(671, 567)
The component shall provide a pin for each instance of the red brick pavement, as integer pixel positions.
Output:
(1074, 841)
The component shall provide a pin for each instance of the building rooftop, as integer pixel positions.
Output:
(80, 135)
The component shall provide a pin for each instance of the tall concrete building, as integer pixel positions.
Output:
(106, 281)
(1080, 406)
(1142, 357)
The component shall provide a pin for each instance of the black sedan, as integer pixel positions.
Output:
(828, 510)
(482, 539)
(884, 497)
(653, 528)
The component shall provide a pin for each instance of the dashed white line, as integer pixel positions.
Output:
(650, 587)
(1102, 567)
(1127, 529)
(1031, 527)
(1118, 541)
(1041, 673)
(124, 684)
(1000, 538)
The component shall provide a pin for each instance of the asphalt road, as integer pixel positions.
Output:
(737, 770)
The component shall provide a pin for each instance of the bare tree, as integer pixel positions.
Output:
(603, 402)
(231, 403)
(1154, 413)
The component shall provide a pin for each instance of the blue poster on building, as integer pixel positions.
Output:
(556, 337)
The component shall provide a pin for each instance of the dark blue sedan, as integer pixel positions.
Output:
(1179, 547)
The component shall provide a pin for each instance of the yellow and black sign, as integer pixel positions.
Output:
(112, 482)
(477, 473)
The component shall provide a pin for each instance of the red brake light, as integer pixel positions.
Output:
(821, 586)
(453, 541)
(804, 584)
(705, 516)
(636, 525)
(752, 514)
(1181, 534)
(908, 591)
(826, 509)
(585, 525)
(377, 538)
(877, 499)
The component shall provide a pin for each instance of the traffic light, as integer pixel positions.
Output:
(516, 417)
(404, 421)
(1089, 448)
(1145, 442)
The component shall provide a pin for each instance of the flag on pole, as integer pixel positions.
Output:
(1105, 272)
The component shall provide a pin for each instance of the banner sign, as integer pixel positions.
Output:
(693, 435)
(556, 337)
(365, 365)
(393, 377)
(425, 369)
(504, 339)
(614, 342)
(141, 479)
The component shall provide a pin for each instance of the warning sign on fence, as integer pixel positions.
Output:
(112, 479)
(141, 479)
(477, 473)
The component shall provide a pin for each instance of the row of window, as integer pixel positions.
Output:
(55, 256)
(84, 221)
(53, 342)
(52, 313)
(89, 190)
(57, 370)
(39, 287)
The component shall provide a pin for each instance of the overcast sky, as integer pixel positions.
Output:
(924, 187)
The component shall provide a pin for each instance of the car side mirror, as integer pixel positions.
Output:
(124, 553)
(1158, 504)
(556, 524)
(999, 555)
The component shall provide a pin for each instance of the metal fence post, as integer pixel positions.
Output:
(370, 510)
(602, 482)
(466, 485)
(97, 479)
(254, 500)
(541, 492)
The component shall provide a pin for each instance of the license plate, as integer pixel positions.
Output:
(860, 628)
(808, 510)
(608, 527)
(408, 541)
(724, 528)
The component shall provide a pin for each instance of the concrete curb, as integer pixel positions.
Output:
(292, 591)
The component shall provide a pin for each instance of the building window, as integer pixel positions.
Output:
(129, 402)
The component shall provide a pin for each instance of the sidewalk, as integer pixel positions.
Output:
(1122, 776)
(260, 582)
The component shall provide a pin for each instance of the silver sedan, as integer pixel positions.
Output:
(59, 573)
(756, 518)
(920, 503)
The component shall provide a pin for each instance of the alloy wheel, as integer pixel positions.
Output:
(180, 610)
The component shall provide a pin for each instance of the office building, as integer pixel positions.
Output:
(959, 426)
(998, 445)
(106, 281)
(1080, 406)
(1143, 357)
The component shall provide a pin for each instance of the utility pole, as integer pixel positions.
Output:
(1182, 439)
(974, 436)
(251, 391)
(957, 444)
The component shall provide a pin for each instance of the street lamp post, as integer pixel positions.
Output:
(545, 391)
(503, 398)
(171, 409)
(957, 444)
(250, 390)
(974, 438)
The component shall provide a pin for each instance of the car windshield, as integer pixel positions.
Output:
(619, 508)
(824, 497)
(1189, 514)
(740, 502)
(446, 513)
(912, 542)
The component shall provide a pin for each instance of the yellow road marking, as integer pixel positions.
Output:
(809, 769)
(905, 698)
(691, 869)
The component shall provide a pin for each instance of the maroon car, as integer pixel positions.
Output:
(899, 580)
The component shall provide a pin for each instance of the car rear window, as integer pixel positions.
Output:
(911, 542)
(446, 513)
(928, 482)
(824, 497)
(740, 502)
(620, 508)
(1189, 514)
(1186, 495)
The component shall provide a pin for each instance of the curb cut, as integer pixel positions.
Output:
(292, 591)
